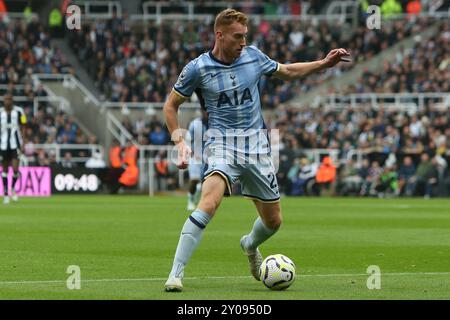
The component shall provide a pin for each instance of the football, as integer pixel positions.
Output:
(277, 272)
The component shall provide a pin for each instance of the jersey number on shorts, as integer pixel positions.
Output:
(273, 184)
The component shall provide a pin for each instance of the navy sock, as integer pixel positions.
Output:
(16, 176)
(5, 183)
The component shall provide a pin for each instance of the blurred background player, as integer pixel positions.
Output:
(12, 119)
(197, 127)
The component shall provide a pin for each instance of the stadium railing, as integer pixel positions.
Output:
(119, 132)
(350, 8)
(188, 10)
(68, 80)
(165, 10)
(62, 103)
(99, 9)
(18, 15)
(409, 101)
(337, 10)
(60, 149)
(4, 88)
(91, 117)
(149, 107)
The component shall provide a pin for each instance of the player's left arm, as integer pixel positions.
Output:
(300, 70)
(22, 126)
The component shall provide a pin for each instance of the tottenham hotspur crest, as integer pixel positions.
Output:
(233, 78)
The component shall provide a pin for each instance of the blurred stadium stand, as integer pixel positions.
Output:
(392, 102)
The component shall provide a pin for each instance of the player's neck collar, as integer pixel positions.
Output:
(217, 60)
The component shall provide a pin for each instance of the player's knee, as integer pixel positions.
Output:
(277, 223)
(209, 205)
(274, 223)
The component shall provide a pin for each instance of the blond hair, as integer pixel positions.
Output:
(228, 16)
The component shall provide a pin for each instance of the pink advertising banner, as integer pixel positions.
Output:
(32, 182)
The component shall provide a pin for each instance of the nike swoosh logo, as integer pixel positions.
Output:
(213, 75)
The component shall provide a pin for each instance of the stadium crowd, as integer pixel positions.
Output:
(379, 151)
(423, 68)
(141, 64)
(405, 153)
(25, 49)
(135, 68)
(386, 138)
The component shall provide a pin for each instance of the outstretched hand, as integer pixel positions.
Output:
(335, 56)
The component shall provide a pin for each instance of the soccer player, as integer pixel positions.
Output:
(12, 119)
(226, 81)
(197, 127)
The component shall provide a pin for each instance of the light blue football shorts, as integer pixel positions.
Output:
(195, 171)
(258, 181)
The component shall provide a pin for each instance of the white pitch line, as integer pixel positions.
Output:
(227, 277)
(382, 274)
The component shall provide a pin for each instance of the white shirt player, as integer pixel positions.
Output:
(10, 122)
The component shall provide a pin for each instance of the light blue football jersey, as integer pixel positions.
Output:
(230, 95)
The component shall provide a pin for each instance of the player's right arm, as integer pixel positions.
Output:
(171, 116)
(184, 87)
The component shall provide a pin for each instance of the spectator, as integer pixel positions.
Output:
(326, 175)
(423, 177)
(390, 8)
(295, 185)
(158, 136)
(349, 179)
(115, 155)
(406, 177)
(130, 154)
(67, 134)
(67, 161)
(55, 22)
(436, 181)
(388, 183)
(162, 170)
(305, 182)
(413, 7)
(371, 180)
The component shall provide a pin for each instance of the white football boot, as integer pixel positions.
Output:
(173, 284)
(14, 196)
(255, 259)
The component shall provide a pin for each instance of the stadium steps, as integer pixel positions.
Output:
(80, 71)
(85, 108)
(313, 97)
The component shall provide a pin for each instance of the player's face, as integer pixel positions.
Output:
(8, 101)
(234, 39)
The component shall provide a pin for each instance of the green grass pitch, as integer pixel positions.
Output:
(124, 246)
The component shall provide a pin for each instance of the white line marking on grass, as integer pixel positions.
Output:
(383, 274)
(337, 275)
(377, 205)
